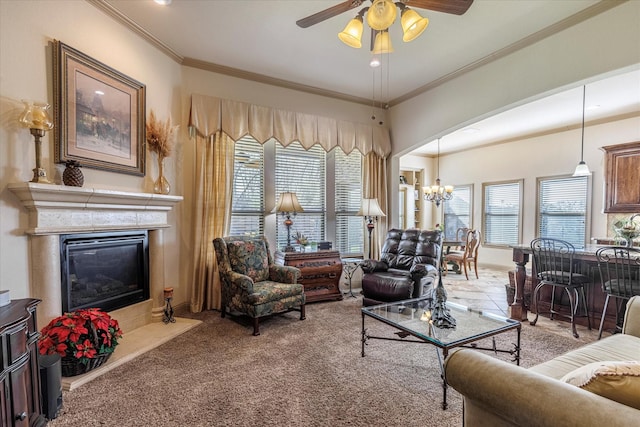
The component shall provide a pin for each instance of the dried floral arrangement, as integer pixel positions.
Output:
(160, 135)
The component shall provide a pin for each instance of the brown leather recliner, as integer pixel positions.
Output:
(408, 266)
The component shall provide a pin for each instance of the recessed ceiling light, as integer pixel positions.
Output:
(163, 2)
(99, 92)
(375, 62)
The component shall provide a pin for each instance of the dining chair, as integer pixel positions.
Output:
(554, 266)
(619, 269)
(461, 236)
(463, 259)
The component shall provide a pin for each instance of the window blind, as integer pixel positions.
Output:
(303, 172)
(501, 216)
(348, 196)
(247, 209)
(457, 211)
(562, 208)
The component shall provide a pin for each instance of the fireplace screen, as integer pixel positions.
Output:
(104, 270)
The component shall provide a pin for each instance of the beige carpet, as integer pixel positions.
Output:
(297, 373)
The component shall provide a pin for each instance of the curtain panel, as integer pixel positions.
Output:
(209, 114)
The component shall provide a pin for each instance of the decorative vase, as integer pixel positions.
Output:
(161, 185)
(72, 175)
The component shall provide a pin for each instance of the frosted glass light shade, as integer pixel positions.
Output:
(381, 14)
(412, 24)
(36, 116)
(352, 33)
(382, 43)
(582, 169)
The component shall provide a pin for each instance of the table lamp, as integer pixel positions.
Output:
(370, 210)
(288, 206)
(36, 118)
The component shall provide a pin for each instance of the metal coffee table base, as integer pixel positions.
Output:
(469, 343)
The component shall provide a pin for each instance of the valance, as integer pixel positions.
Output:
(209, 114)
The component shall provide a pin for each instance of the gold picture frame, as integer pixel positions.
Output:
(99, 114)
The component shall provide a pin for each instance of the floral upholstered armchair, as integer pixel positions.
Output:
(252, 284)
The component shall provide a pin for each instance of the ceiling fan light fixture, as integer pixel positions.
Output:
(412, 24)
(382, 43)
(381, 14)
(352, 33)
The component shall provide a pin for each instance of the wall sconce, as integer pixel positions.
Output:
(36, 118)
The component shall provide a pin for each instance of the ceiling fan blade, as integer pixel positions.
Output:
(456, 7)
(328, 13)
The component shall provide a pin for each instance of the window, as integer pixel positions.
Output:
(562, 208)
(457, 211)
(502, 207)
(247, 209)
(303, 172)
(348, 196)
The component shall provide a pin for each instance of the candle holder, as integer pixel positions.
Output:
(167, 317)
(36, 118)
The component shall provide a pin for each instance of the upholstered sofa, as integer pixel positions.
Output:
(589, 386)
(408, 265)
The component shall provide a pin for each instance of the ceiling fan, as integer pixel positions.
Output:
(456, 7)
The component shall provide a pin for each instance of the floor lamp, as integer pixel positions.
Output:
(288, 206)
(370, 210)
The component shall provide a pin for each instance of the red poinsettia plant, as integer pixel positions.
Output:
(82, 334)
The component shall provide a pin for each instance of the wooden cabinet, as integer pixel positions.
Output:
(320, 272)
(20, 404)
(622, 172)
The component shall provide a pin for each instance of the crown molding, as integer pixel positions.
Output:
(590, 12)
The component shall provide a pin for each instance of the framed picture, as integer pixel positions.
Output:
(99, 114)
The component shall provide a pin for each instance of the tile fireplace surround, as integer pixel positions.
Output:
(54, 210)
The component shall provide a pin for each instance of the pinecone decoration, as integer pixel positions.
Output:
(72, 175)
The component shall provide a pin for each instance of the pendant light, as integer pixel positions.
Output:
(582, 169)
(438, 193)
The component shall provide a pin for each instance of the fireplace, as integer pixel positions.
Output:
(107, 270)
(57, 210)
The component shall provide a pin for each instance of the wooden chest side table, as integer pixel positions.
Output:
(321, 271)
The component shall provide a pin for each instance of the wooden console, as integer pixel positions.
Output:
(20, 404)
(321, 271)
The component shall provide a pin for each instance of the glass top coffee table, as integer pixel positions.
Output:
(412, 318)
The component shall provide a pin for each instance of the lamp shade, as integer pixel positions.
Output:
(582, 170)
(36, 116)
(381, 14)
(288, 202)
(371, 208)
(412, 24)
(382, 43)
(352, 33)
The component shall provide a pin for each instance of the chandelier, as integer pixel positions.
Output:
(380, 15)
(438, 193)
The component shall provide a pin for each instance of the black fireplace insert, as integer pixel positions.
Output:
(107, 270)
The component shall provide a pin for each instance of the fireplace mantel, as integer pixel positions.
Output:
(58, 209)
